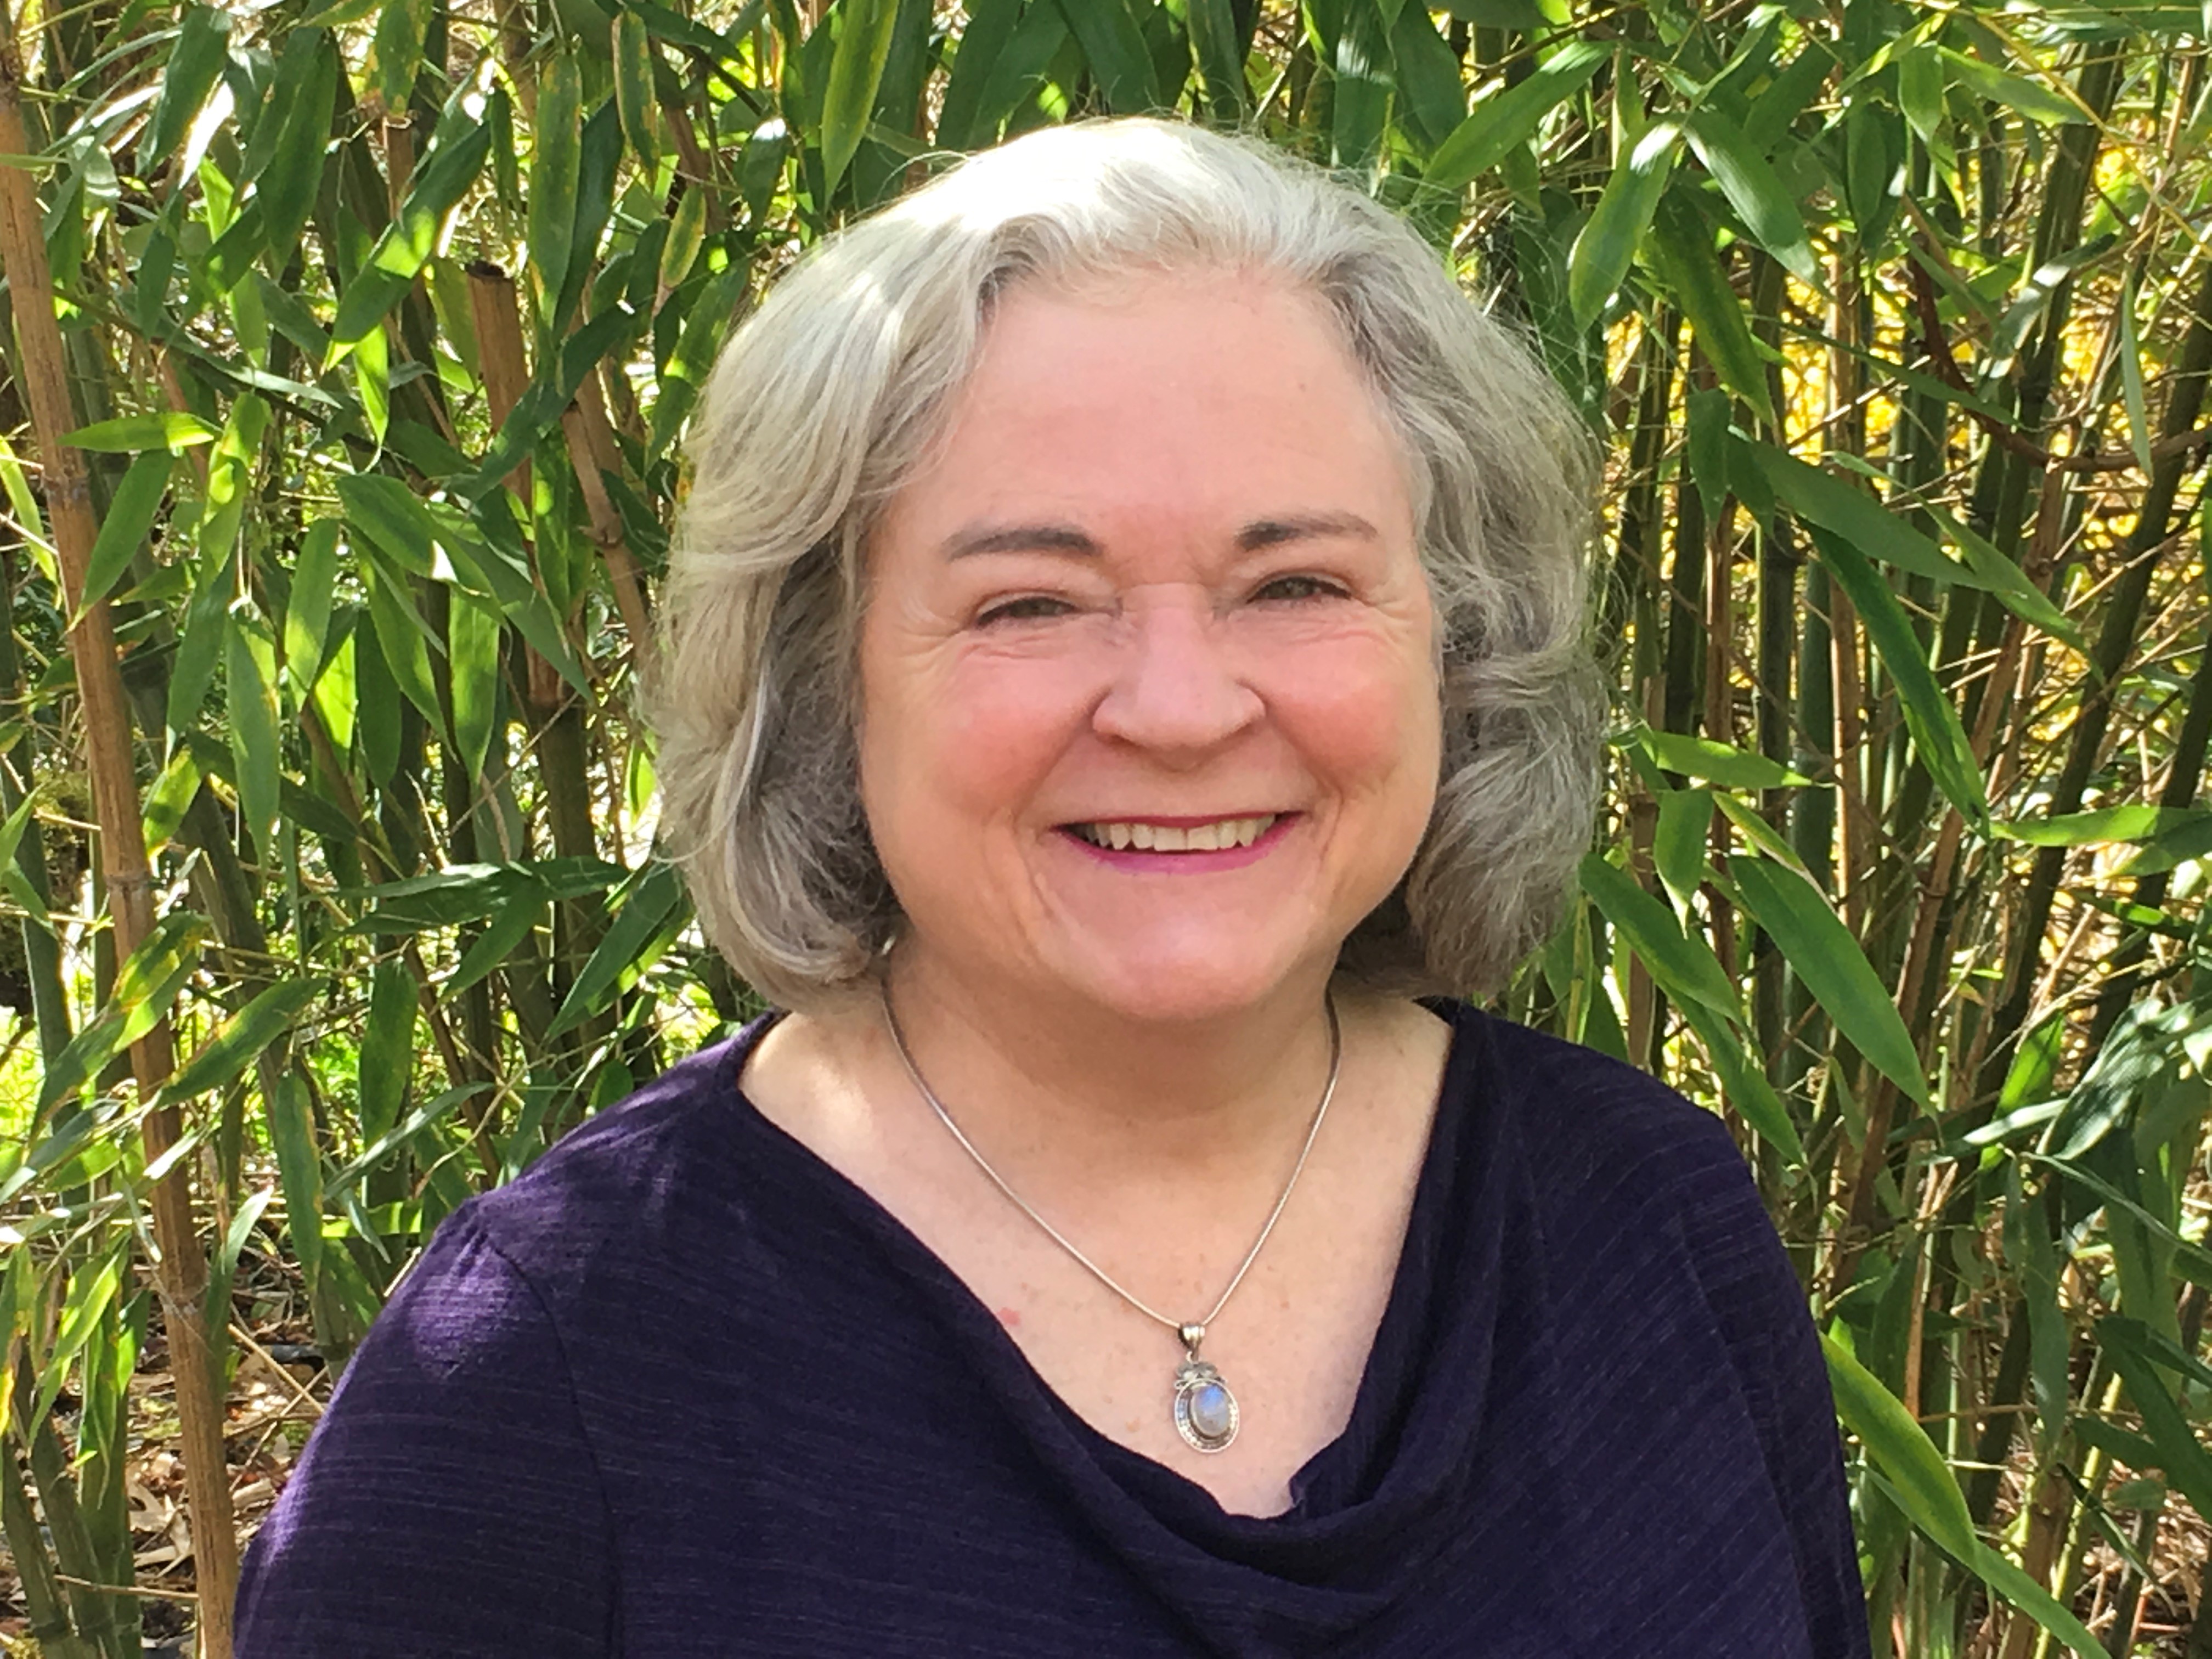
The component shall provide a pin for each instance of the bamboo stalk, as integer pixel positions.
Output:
(181, 1272)
(2116, 641)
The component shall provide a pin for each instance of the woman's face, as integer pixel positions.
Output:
(1149, 708)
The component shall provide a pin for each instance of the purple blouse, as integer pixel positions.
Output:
(683, 1389)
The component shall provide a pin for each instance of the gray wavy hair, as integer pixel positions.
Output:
(828, 398)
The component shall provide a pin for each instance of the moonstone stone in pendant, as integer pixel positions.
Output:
(1205, 1414)
(1211, 1410)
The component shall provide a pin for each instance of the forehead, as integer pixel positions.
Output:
(1212, 391)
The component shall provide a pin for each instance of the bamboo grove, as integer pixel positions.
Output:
(352, 351)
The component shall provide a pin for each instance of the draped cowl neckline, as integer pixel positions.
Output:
(1371, 1510)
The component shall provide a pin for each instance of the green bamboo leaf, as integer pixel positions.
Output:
(1115, 48)
(1608, 245)
(127, 434)
(334, 693)
(252, 730)
(2192, 1260)
(473, 636)
(1929, 714)
(436, 1111)
(1509, 117)
(396, 49)
(498, 941)
(2171, 847)
(489, 561)
(1020, 69)
(1217, 51)
(1823, 953)
(1428, 76)
(2030, 98)
(599, 152)
(1360, 84)
(2132, 379)
(1705, 435)
(455, 156)
(2182, 1457)
(401, 638)
(556, 160)
(856, 68)
(687, 235)
(555, 385)
(307, 607)
(371, 362)
(1743, 1080)
(1680, 253)
(92, 1290)
(169, 797)
(286, 189)
(1681, 962)
(199, 641)
(1716, 762)
(16, 879)
(2032, 1599)
(131, 515)
(145, 986)
(632, 56)
(2103, 828)
(223, 1274)
(391, 516)
(1765, 203)
(685, 373)
(718, 46)
(1920, 89)
(238, 1040)
(387, 1046)
(623, 949)
(1922, 1484)
(21, 499)
(299, 1171)
(1678, 841)
(961, 123)
(195, 64)
(1821, 499)
(2006, 580)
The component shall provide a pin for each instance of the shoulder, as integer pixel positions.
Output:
(1606, 1153)
(1585, 1114)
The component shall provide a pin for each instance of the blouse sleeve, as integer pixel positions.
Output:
(1761, 1308)
(448, 1504)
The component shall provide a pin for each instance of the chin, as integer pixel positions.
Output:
(1163, 986)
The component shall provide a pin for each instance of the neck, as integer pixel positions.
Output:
(1029, 1073)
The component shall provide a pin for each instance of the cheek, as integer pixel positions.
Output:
(1368, 718)
(959, 737)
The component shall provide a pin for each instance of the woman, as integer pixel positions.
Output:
(1125, 636)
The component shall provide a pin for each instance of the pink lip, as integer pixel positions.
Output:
(1194, 863)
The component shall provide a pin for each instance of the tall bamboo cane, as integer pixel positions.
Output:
(182, 1271)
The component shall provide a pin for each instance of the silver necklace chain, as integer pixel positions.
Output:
(1181, 1328)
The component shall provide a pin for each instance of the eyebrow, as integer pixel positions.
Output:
(1066, 538)
(1304, 527)
(1021, 538)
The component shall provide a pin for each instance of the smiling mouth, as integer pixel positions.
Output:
(1224, 835)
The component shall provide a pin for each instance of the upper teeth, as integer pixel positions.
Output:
(1217, 836)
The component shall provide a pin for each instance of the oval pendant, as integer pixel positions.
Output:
(1205, 1413)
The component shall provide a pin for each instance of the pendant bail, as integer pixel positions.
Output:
(1192, 1335)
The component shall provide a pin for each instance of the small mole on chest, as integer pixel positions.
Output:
(1010, 1317)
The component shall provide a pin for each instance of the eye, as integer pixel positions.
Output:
(1293, 589)
(1027, 607)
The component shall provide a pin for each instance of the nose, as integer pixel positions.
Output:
(1175, 691)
